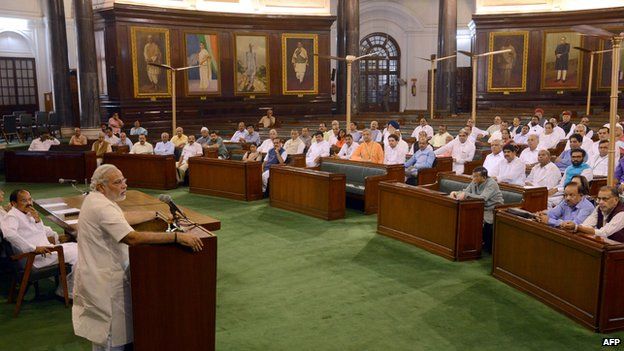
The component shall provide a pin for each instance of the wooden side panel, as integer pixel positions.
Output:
(227, 178)
(48, 166)
(612, 303)
(145, 171)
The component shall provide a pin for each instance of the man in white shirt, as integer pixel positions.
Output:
(268, 143)
(494, 127)
(23, 228)
(587, 143)
(529, 154)
(523, 136)
(498, 134)
(588, 131)
(354, 132)
(558, 131)
(392, 129)
(376, 135)
(461, 149)
(599, 162)
(142, 147)
(239, 135)
(439, 139)
(347, 149)
(512, 169)
(110, 137)
(164, 146)
(548, 139)
(43, 143)
(534, 127)
(475, 132)
(607, 220)
(334, 133)
(317, 150)
(423, 127)
(491, 161)
(124, 140)
(515, 127)
(603, 134)
(544, 173)
(102, 310)
(394, 154)
(294, 145)
(191, 149)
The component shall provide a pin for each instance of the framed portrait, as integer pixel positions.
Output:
(150, 45)
(604, 64)
(562, 65)
(251, 66)
(299, 65)
(202, 49)
(507, 72)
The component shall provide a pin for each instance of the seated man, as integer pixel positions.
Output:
(239, 135)
(586, 142)
(318, 149)
(491, 161)
(439, 138)
(422, 158)
(180, 139)
(369, 150)
(23, 228)
(347, 149)
(565, 160)
(572, 211)
(534, 126)
(142, 147)
(137, 129)
(607, 220)
(110, 137)
(523, 136)
(277, 155)
(529, 154)
(486, 188)
(423, 127)
(164, 146)
(475, 132)
(494, 127)
(548, 139)
(498, 134)
(268, 143)
(268, 120)
(599, 162)
(216, 142)
(603, 134)
(252, 136)
(124, 140)
(192, 149)
(354, 132)
(78, 138)
(578, 167)
(306, 138)
(205, 136)
(394, 154)
(295, 145)
(101, 146)
(43, 143)
(376, 134)
(510, 170)
(461, 149)
(544, 173)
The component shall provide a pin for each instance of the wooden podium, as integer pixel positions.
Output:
(174, 295)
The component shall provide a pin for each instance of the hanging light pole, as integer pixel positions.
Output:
(434, 62)
(591, 72)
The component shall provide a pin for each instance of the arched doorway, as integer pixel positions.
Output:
(375, 73)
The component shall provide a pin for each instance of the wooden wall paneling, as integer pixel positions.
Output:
(612, 306)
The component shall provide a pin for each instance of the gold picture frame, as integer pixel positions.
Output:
(296, 76)
(147, 79)
(504, 73)
(573, 62)
(193, 78)
(261, 80)
(603, 81)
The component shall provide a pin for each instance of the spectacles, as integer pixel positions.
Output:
(603, 198)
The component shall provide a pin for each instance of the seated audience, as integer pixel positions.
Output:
(422, 158)
(577, 167)
(529, 154)
(347, 149)
(103, 127)
(124, 140)
(586, 143)
(439, 138)
(142, 147)
(491, 161)
(485, 188)
(320, 148)
(421, 135)
(475, 132)
(534, 126)
(216, 142)
(392, 128)
(603, 134)
(341, 138)
(565, 160)
(574, 208)
(510, 170)
(277, 155)
(101, 146)
(137, 129)
(323, 129)
(376, 134)
(306, 138)
(494, 127)
(539, 113)
(461, 149)
(548, 139)
(423, 127)
(354, 132)
(515, 127)
(267, 144)
(585, 122)
(239, 135)
(268, 120)
(43, 143)
(295, 145)
(607, 219)
(334, 134)
(558, 131)
(498, 134)
(506, 138)
(369, 150)
(394, 154)
(567, 126)
(164, 146)
(23, 228)
(115, 123)
(204, 136)
(180, 139)
(252, 154)
(110, 137)
(252, 137)
(544, 173)
(191, 149)
(523, 136)
(599, 162)
(78, 138)
(3, 209)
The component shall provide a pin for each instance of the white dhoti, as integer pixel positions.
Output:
(300, 70)
(153, 73)
(181, 171)
(265, 180)
(204, 77)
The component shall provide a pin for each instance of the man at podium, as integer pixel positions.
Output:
(102, 311)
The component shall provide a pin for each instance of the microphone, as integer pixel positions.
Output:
(172, 206)
(67, 181)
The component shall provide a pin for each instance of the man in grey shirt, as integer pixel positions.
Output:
(486, 188)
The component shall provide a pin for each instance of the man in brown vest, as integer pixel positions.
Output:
(607, 220)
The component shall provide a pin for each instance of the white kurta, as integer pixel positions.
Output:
(205, 69)
(294, 147)
(521, 138)
(559, 132)
(548, 141)
(346, 150)
(102, 298)
(238, 135)
(529, 156)
(113, 140)
(586, 145)
(547, 176)
(38, 145)
(394, 156)
(191, 151)
(491, 161)
(427, 129)
(600, 165)
(146, 149)
(461, 153)
(537, 129)
(511, 172)
(266, 146)
(317, 150)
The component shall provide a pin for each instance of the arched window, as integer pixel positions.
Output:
(376, 72)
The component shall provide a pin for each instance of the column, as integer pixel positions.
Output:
(352, 47)
(341, 67)
(60, 62)
(446, 89)
(87, 65)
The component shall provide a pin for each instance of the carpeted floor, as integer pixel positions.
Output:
(292, 282)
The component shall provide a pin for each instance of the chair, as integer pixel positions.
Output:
(17, 113)
(25, 125)
(10, 128)
(26, 275)
(41, 122)
(54, 127)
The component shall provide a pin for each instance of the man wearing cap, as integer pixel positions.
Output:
(393, 128)
(205, 137)
(566, 124)
(540, 114)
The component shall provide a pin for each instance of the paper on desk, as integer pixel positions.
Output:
(72, 222)
(66, 211)
(56, 204)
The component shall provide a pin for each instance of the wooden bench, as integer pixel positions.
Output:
(48, 166)
(239, 180)
(145, 171)
(429, 175)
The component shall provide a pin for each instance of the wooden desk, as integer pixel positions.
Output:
(48, 166)
(145, 171)
(580, 276)
(431, 220)
(135, 201)
(227, 178)
(429, 175)
(315, 193)
(595, 185)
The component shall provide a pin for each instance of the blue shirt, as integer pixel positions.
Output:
(253, 138)
(128, 142)
(164, 148)
(563, 212)
(357, 135)
(421, 159)
(619, 171)
(566, 160)
(271, 158)
(138, 131)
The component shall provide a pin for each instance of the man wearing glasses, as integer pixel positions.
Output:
(607, 220)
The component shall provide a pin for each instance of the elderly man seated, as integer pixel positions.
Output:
(461, 149)
(43, 143)
(510, 170)
(607, 220)
(277, 155)
(544, 173)
(267, 144)
(164, 146)
(142, 147)
(239, 135)
(497, 155)
(574, 209)
(23, 228)
(485, 188)
(529, 154)
(422, 158)
(101, 146)
(192, 149)
(78, 138)
(124, 140)
(320, 148)
(110, 137)
(137, 129)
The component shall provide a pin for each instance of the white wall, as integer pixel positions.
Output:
(518, 6)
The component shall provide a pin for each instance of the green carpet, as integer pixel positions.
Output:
(292, 282)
